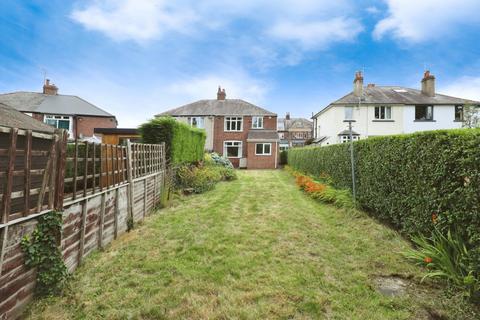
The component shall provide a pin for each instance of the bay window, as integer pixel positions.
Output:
(232, 149)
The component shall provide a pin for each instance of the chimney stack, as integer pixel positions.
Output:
(50, 89)
(428, 84)
(221, 94)
(287, 116)
(358, 84)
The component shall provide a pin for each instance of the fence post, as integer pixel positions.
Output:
(60, 183)
(129, 179)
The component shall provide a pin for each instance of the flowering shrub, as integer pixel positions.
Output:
(320, 190)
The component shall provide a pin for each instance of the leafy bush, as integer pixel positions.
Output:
(201, 178)
(183, 144)
(42, 252)
(404, 179)
(215, 158)
(446, 257)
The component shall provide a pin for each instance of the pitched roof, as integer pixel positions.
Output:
(397, 95)
(228, 107)
(10, 117)
(51, 104)
(262, 135)
(294, 123)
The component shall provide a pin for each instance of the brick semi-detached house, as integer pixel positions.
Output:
(68, 112)
(243, 132)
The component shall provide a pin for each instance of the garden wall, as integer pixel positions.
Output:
(408, 179)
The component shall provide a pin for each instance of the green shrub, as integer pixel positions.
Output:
(446, 257)
(404, 179)
(202, 178)
(183, 144)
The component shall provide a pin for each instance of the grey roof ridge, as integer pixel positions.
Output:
(65, 95)
(269, 113)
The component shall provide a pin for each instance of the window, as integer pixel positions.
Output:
(424, 113)
(458, 113)
(233, 123)
(383, 113)
(60, 122)
(232, 149)
(348, 113)
(197, 122)
(283, 147)
(346, 138)
(263, 149)
(257, 122)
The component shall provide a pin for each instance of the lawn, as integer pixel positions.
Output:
(254, 248)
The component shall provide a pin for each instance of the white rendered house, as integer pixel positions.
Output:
(387, 110)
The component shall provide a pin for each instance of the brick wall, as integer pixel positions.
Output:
(261, 162)
(86, 124)
(269, 123)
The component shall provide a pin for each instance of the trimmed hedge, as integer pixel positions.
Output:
(183, 144)
(411, 181)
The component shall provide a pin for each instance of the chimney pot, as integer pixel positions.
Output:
(287, 116)
(358, 84)
(370, 85)
(221, 94)
(428, 84)
(49, 88)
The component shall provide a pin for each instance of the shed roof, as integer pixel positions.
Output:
(227, 107)
(10, 117)
(51, 104)
(262, 135)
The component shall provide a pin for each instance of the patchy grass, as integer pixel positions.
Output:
(254, 248)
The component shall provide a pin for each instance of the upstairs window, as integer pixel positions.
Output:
(458, 113)
(263, 149)
(383, 113)
(233, 123)
(424, 113)
(348, 113)
(257, 122)
(197, 122)
(60, 122)
(232, 149)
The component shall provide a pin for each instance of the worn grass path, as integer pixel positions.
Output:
(255, 248)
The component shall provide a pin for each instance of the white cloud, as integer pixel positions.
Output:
(139, 20)
(373, 10)
(463, 87)
(238, 85)
(317, 34)
(416, 21)
(312, 23)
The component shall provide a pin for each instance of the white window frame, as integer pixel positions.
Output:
(387, 113)
(233, 119)
(197, 119)
(257, 122)
(263, 149)
(344, 138)
(232, 143)
(348, 109)
(57, 117)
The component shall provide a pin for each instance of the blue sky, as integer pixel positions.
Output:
(136, 58)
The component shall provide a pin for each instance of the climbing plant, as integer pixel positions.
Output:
(42, 252)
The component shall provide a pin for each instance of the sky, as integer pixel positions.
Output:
(137, 58)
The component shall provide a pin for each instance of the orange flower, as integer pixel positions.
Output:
(434, 217)
(427, 260)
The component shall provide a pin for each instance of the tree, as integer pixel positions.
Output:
(471, 116)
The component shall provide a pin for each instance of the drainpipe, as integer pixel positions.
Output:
(276, 156)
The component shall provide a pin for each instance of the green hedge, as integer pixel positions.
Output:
(183, 143)
(405, 179)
